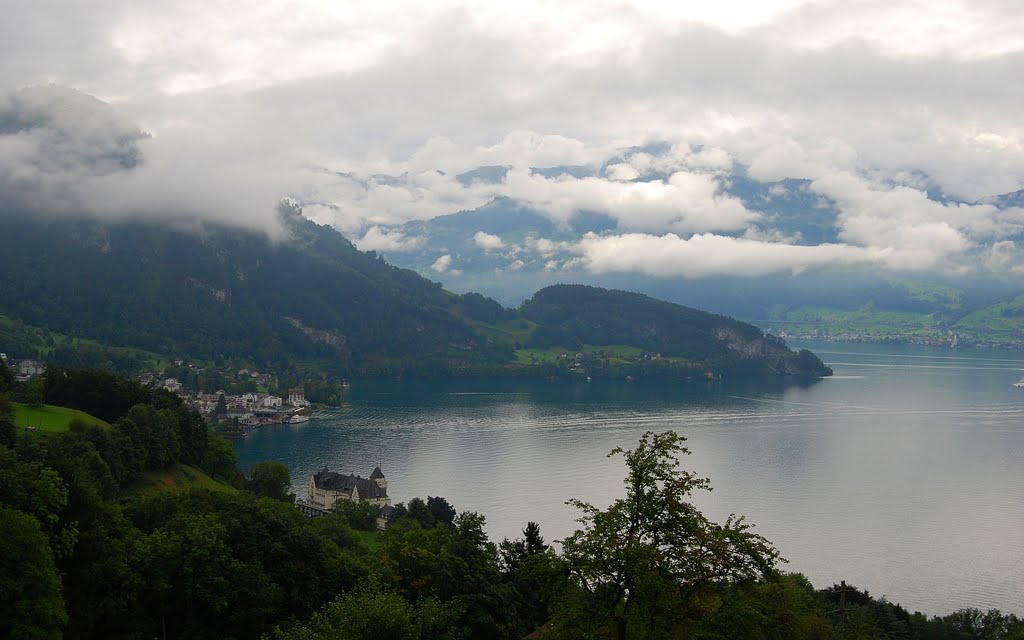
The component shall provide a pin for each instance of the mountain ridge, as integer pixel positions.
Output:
(312, 302)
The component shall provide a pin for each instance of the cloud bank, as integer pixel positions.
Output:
(901, 120)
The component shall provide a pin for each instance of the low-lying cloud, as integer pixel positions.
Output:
(487, 241)
(377, 238)
(707, 254)
(367, 116)
(64, 153)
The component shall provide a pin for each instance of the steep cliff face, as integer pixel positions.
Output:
(775, 356)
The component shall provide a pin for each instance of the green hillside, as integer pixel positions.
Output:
(130, 297)
(578, 318)
(51, 419)
(178, 477)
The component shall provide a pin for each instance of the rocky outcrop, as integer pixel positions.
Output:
(330, 338)
(773, 353)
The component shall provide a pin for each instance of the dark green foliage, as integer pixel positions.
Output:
(270, 479)
(99, 393)
(806, 360)
(484, 309)
(418, 510)
(468, 574)
(8, 433)
(780, 607)
(32, 393)
(32, 488)
(455, 564)
(573, 315)
(359, 515)
(534, 573)
(983, 625)
(647, 562)
(154, 432)
(275, 563)
(222, 405)
(335, 527)
(82, 556)
(310, 308)
(441, 510)
(311, 302)
(220, 459)
(103, 576)
(410, 555)
(6, 377)
(371, 613)
(858, 615)
(30, 592)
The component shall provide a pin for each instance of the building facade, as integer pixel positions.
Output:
(326, 488)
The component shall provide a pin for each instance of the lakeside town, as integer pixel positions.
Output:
(245, 402)
(247, 410)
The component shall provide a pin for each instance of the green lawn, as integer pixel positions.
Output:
(50, 419)
(179, 477)
(616, 353)
(1004, 321)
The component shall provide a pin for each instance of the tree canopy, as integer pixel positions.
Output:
(647, 560)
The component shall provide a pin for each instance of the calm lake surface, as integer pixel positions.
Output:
(902, 474)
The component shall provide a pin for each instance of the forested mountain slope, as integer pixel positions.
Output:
(311, 300)
(577, 314)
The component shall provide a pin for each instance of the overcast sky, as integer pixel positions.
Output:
(219, 109)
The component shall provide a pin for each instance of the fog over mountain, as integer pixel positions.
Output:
(745, 139)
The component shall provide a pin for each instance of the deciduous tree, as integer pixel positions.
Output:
(645, 561)
(30, 598)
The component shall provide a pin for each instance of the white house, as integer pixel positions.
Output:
(297, 397)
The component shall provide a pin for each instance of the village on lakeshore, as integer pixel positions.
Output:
(250, 406)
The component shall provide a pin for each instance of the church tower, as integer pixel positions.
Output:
(378, 477)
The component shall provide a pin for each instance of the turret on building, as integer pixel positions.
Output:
(378, 476)
(326, 488)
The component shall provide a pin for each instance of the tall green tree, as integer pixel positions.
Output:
(646, 562)
(270, 479)
(30, 592)
(220, 460)
(6, 377)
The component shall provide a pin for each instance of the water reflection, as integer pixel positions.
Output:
(899, 474)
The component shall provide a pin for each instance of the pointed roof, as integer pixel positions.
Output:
(377, 473)
(368, 489)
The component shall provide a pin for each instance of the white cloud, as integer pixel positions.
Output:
(367, 113)
(442, 264)
(707, 254)
(545, 247)
(379, 239)
(924, 232)
(622, 172)
(487, 241)
(1005, 257)
(685, 202)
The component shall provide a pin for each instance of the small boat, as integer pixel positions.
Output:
(1019, 384)
(298, 418)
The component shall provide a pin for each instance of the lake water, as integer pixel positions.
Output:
(902, 474)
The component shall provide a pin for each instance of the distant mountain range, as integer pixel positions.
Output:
(506, 250)
(312, 301)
